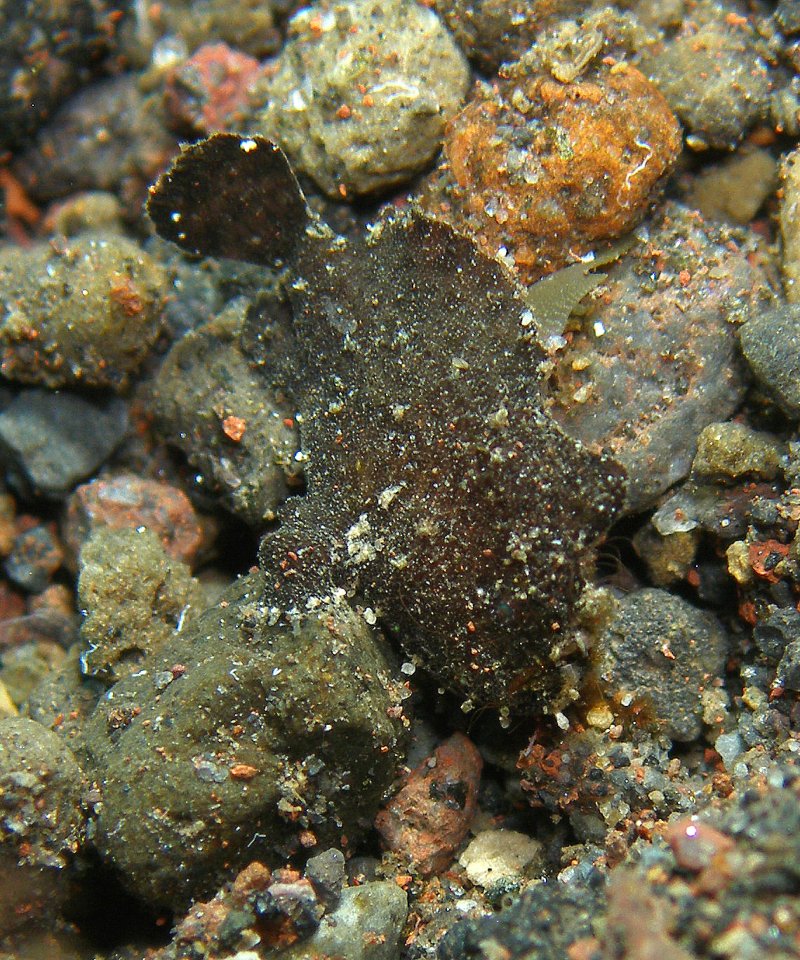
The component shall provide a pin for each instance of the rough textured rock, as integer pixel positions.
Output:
(362, 92)
(771, 345)
(540, 171)
(655, 358)
(661, 650)
(241, 740)
(733, 450)
(367, 925)
(429, 817)
(714, 75)
(215, 405)
(85, 311)
(133, 597)
(124, 501)
(42, 821)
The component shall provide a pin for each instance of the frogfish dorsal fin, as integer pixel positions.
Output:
(231, 196)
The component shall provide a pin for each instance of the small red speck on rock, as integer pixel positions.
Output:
(234, 428)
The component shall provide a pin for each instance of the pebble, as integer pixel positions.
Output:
(655, 358)
(34, 558)
(662, 651)
(788, 16)
(430, 816)
(64, 698)
(772, 634)
(787, 674)
(133, 598)
(47, 51)
(42, 824)
(367, 925)
(7, 706)
(733, 450)
(542, 923)
(120, 501)
(27, 663)
(492, 32)
(734, 190)
(605, 779)
(92, 211)
(361, 93)
(263, 909)
(110, 137)
(789, 218)
(214, 405)
(670, 557)
(175, 27)
(771, 345)
(501, 859)
(209, 91)
(540, 171)
(239, 741)
(45, 447)
(79, 312)
(714, 75)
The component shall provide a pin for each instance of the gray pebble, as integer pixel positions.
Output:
(774, 633)
(771, 345)
(326, 871)
(788, 672)
(662, 650)
(211, 403)
(655, 360)
(366, 925)
(50, 441)
(714, 77)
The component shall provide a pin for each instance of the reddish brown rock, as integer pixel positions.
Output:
(208, 92)
(127, 501)
(541, 171)
(431, 815)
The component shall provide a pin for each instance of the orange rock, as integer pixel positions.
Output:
(127, 501)
(544, 171)
(431, 815)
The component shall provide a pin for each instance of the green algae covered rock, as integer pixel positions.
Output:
(134, 598)
(83, 312)
(42, 823)
(239, 742)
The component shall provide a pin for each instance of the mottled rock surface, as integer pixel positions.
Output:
(240, 738)
(361, 93)
(85, 312)
(661, 650)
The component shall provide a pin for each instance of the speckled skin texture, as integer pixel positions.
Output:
(441, 497)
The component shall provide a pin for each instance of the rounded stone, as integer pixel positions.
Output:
(771, 345)
(236, 741)
(85, 312)
(662, 652)
(362, 91)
